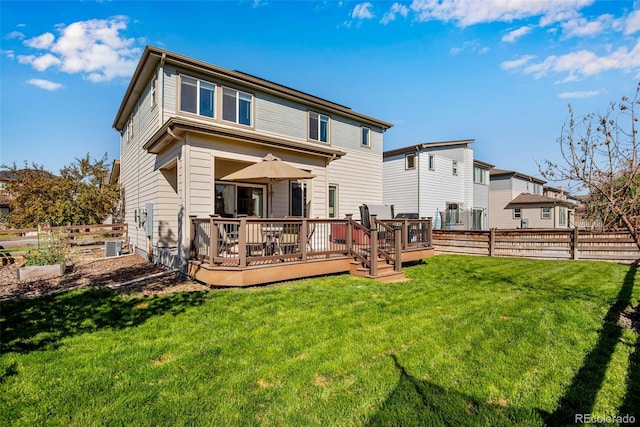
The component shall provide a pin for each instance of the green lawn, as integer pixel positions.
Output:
(468, 341)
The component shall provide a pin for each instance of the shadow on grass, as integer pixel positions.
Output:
(581, 394)
(36, 324)
(420, 403)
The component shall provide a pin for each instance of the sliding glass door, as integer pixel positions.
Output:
(232, 200)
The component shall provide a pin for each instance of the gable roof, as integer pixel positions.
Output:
(425, 146)
(528, 200)
(153, 56)
(494, 172)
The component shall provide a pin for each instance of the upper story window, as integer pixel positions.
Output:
(545, 213)
(517, 213)
(154, 87)
(479, 175)
(410, 161)
(432, 162)
(197, 96)
(236, 106)
(454, 167)
(318, 127)
(537, 189)
(366, 141)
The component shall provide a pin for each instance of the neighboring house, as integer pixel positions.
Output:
(435, 179)
(5, 208)
(520, 201)
(481, 204)
(185, 124)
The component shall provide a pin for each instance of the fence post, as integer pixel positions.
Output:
(492, 242)
(348, 239)
(397, 236)
(430, 231)
(213, 239)
(574, 243)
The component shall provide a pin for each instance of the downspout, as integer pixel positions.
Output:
(418, 167)
(326, 186)
(161, 103)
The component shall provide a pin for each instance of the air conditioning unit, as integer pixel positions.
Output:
(112, 248)
(524, 223)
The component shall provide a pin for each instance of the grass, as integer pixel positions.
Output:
(468, 341)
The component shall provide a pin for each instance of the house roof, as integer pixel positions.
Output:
(528, 200)
(153, 56)
(425, 146)
(494, 172)
(177, 127)
(486, 165)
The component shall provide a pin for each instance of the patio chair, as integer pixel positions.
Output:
(228, 241)
(311, 228)
(255, 240)
(290, 239)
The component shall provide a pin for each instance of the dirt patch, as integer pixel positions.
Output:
(89, 268)
(630, 318)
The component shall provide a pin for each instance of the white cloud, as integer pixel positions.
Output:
(470, 12)
(580, 27)
(632, 23)
(10, 54)
(473, 46)
(41, 42)
(92, 48)
(580, 64)
(362, 11)
(396, 9)
(579, 94)
(45, 84)
(512, 36)
(14, 35)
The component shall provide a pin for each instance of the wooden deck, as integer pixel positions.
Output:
(254, 251)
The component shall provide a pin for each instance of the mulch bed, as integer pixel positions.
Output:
(90, 268)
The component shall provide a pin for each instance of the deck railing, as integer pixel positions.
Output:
(243, 242)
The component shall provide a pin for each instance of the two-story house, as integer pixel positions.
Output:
(436, 179)
(185, 124)
(518, 200)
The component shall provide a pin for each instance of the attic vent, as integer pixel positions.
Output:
(112, 248)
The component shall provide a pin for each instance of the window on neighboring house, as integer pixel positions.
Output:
(562, 216)
(318, 127)
(236, 106)
(197, 96)
(517, 213)
(546, 213)
(130, 129)
(454, 213)
(298, 202)
(479, 175)
(365, 137)
(410, 161)
(454, 167)
(333, 201)
(432, 162)
(537, 189)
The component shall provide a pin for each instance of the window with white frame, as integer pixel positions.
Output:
(410, 161)
(365, 141)
(318, 127)
(517, 213)
(562, 216)
(545, 213)
(197, 96)
(298, 201)
(236, 106)
(432, 162)
(454, 213)
(479, 175)
(454, 167)
(333, 201)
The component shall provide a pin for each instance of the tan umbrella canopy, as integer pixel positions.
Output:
(270, 169)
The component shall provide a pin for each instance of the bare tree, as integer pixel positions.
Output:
(600, 153)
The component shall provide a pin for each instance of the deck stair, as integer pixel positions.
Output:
(385, 271)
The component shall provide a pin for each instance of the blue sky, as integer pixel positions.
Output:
(501, 72)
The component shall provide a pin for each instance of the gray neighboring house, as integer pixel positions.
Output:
(439, 180)
(518, 200)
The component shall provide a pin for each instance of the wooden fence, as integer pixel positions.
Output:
(77, 235)
(531, 243)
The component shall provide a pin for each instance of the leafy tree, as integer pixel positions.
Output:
(600, 154)
(79, 195)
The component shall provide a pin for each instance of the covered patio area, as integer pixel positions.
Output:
(251, 251)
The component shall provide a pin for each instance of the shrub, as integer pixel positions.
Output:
(55, 251)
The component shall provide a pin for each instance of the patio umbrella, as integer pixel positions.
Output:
(269, 170)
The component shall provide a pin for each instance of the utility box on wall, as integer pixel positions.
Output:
(148, 223)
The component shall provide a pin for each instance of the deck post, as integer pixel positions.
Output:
(405, 233)
(430, 231)
(242, 241)
(213, 239)
(492, 242)
(373, 246)
(348, 240)
(574, 243)
(192, 236)
(397, 235)
(303, 236)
